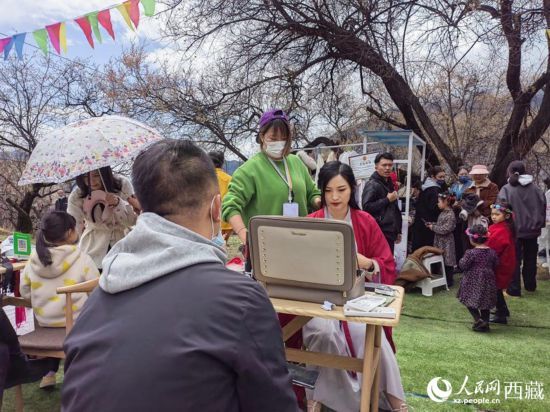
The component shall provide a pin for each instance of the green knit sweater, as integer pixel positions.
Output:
(257, 189)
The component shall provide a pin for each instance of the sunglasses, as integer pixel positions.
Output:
(502, 208)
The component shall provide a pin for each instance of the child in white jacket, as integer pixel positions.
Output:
(56, 262)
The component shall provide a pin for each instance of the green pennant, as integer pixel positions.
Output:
(148, 7)
(41, 38)
(92, 18)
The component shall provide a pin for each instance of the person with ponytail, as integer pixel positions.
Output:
(104, 207)
(529, 205)
(56, 262)
(503, 241)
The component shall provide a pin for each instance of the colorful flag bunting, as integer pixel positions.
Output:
(124, 13)
(132, 6)
(53, 32)
(148, 7)
(41, 38)
(57, 33)
(19, 41)
(84, 24)
(104, 18)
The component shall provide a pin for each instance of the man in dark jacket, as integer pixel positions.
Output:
(380, 199)
(170, 328)
(61, 202)
(529, 205)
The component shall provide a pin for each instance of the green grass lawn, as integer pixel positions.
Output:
(434, 339)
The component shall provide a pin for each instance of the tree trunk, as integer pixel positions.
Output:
(23, 208)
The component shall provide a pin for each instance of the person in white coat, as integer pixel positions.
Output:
(102, 206)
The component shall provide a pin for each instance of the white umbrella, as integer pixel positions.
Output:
(84, 146)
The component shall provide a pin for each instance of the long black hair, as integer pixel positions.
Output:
(53, 230)
(333, 169)
(506, 208)
(113, 184)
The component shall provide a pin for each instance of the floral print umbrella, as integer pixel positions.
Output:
(84, 146)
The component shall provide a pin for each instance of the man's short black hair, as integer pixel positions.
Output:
(217, 158)
(173, 177)
(380, 156)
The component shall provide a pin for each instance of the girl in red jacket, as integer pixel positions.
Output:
(502, 240)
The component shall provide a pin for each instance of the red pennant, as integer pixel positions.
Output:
(104, 18)
(132, 7)
(84, 24)
(54, 32)
(4, 43)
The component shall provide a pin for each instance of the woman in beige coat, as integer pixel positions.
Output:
(102, 207)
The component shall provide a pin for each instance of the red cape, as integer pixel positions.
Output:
(502, 242)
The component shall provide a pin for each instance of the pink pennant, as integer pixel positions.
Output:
(132, 6)
(53, 32)
(4, 43)
(104, 18)
(84, 24)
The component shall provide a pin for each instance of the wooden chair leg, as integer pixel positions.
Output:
(19, 398)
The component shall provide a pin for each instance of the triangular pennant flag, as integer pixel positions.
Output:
(148, 7)
(4, 43)
(41, 38)
(92, 18)
(84, 24)
(132, 7)
(53, 32)
(7, 47)
(124, 12)
(19, 41)
(63, 37)
(548, 33)
(104, 18)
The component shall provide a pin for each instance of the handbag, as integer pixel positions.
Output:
(95, 207)
(312, 260)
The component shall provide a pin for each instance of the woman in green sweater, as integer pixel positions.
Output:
(272, 182)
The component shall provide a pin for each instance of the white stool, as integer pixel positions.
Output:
(428, 284)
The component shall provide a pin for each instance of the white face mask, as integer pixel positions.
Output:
(274, 150)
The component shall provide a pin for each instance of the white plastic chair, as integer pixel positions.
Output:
(440, 279)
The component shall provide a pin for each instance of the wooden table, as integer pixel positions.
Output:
(368, 365)
(16, 266)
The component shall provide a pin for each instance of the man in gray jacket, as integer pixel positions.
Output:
(529, 205)
(170, 328)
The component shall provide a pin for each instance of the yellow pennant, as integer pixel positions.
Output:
(548, 33)
(63, 37)
(124, 12)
